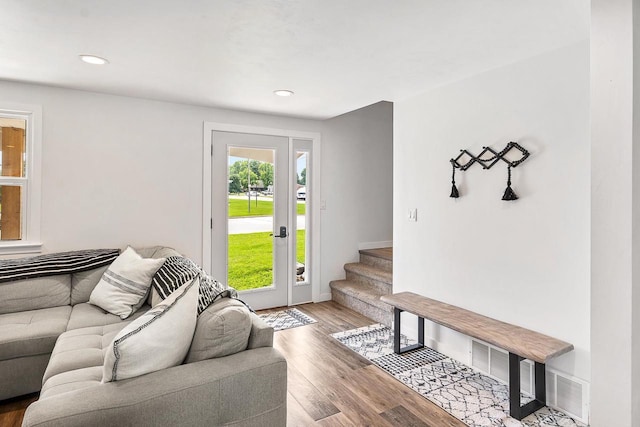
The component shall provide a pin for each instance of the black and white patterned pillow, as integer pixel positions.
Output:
(177, 270)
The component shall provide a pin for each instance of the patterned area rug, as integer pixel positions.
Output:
(474, 398)
(286, 319)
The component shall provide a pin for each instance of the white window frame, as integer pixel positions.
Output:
(30, 183)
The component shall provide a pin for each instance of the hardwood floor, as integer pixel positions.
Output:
(12, 410)
(329, 385)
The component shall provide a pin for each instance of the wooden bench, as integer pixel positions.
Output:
(521, 343)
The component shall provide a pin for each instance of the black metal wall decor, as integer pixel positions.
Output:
(487, 163)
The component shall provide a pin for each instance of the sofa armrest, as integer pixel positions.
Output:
(261, 334)
(247, 388)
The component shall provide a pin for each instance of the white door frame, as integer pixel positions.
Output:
(314, 191)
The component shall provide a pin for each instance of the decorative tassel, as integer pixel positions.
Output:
(454, 190)
(509, 194)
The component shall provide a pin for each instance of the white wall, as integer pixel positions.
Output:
(615, 237)
(635, 283)
(357, 185)
(524, 262)
(120, 170)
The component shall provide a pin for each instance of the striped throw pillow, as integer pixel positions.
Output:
(123, 287)
(177, 270)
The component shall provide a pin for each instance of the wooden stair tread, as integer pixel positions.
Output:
(384, 253)
(515, 339)
(360, 291)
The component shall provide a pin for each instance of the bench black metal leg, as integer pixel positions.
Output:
(396, 333)
(541, 383)
(396, 330)
(515, 410)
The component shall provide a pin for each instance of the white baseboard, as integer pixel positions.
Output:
(375, 245)
(324, 297)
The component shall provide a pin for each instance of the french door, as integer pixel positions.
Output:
(261, 194)
(250, 202)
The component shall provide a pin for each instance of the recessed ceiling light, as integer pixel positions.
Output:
(93, 60)
(283, 92)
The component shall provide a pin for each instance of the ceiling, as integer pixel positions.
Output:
(336, 55)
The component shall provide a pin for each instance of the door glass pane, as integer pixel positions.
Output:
(250, 217)
(12, 147)
(302, 195)
(10, 212)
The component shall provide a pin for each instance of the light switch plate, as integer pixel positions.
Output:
(413, 215)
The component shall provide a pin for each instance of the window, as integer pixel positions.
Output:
(19, 179)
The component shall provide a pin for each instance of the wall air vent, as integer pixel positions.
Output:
(564, 392)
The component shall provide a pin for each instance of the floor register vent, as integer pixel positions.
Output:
(564, 393)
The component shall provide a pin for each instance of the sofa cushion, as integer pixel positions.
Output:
(83, 283)
(261, 334)
(21, 376)
(33, 294)
(156, 252)
(222, 329)
(33, 332)
(157, 340)
(81, 348)
(85, 315)
(71, 380)
(124, 286)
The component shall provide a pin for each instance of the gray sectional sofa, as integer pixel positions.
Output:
(52, 340)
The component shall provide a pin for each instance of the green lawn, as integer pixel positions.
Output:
(239, 208)
(250, 259)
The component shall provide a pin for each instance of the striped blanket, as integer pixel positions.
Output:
(56, 263)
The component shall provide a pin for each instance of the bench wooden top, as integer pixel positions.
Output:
(523, 342)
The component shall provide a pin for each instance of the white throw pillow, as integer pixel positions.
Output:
(158, 339)
(124, 286)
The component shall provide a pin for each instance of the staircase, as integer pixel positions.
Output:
(366, 281)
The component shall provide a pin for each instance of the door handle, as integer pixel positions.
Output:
(283, 233)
